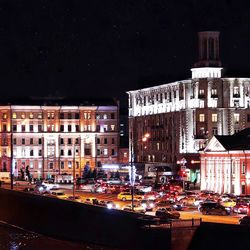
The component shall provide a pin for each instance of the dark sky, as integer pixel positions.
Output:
(104, 48)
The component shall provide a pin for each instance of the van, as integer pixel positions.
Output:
(5, 177)
(148, 180)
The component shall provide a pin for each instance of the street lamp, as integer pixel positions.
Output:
(182, 162)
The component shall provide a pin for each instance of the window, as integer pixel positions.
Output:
(89, 127)
(215, 130)
(214, 117)
(31, 164)
(236, 118)
(77, 141)
(214, 92)
(69, 116)
(98, 140)
(23, 128)
(236, 92)
(4, 116)
(31, 128)
(23, 116)
(14, 115)
(77, 116)
(61, 115)
(201, 93)
(112, 152)
(105, 151)
(69, 164)
(40, 141)
(39, 152)
(62, 152)
(40, 116)
(31, 141)
(69, 141)
(202, 118)
(69, 152)
(61, 128)
(61, 141)
(31, 152)
(14, 127)
(69, 128)
(40, 164)
(39, 128)
(112, 115)
(31, 116)
(112, 127)
(105, 127)
(4, 127)
(14, 141)
(243, 168)
(97, 128)
(77, 128)
(236, 103)
(105, 140)
(113, 141)
(51, 115)
(248, 117)
(62, 164)
(51, 165)
(23, 141)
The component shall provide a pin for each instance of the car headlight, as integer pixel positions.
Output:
(144, 205)
(117, 206)
(228, 209)
(109, 206)
(152, 205)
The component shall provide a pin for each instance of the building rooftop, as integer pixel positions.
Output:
(57, 101)
(238, 141)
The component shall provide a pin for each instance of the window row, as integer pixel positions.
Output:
(62, 115)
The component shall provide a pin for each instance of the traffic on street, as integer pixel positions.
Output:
(164, 201)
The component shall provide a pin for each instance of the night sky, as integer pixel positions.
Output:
(105, 48)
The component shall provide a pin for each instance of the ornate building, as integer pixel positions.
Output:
(54, 136)
(181, 116)
(225, 164)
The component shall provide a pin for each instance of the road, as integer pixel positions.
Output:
(189, 214)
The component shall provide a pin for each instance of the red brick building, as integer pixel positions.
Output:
(225, 164)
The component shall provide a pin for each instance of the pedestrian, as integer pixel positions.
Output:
(194, 182)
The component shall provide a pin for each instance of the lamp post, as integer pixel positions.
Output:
(182, 162)
(74, 170)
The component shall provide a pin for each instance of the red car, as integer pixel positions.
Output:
(151, 195)
(241, 208)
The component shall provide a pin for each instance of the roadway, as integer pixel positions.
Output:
(189, 214)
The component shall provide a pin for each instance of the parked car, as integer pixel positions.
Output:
(126, 196)
(91, 201)
(137, 208)
(165, 213)
(50, 185)
(74, 198)
(214, 208)
(245, 220)
(29, 190)
(108, 204)
(228, 203)
(241, 208)
(87, 187)
(58, 194)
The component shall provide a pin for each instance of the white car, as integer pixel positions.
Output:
(87, 187)
(50, 185)
(144, 189)
(137, 208)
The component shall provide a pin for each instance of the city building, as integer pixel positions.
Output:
(182, 116)
(57, 136)
(225, 164)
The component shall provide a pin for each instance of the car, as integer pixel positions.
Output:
(49, 185)
(91, 201)
(127, 196)
(165, 213)
(213, 208)
(137, 208)
(29, 190)
(74, 198)
(100, 188)
(245, 220)
(86, 187)
(23, 182)
(188, 200)
(58, 194)
(241, 208)
(108, 204)
(152, 195)
(114, 181)
(149, 205)
(164, 203)
(228, 203)
(144, 188)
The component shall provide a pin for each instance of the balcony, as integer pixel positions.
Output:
(236, 95)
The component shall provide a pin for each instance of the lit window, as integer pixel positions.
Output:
(23, 116)
(105, 116)
(202, 118)
(213, 92)
(69, 164)
(243, 168)
(105, 151)
(31, 164)
(236, 91)
(201, 92)
(105, 127)
(40, 116)
(214, 117)
(14, 115)
(4, 116)
(31, 116)
(112, 127)
(236, 118)
(40, 164)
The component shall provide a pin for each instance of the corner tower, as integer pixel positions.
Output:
(209, 64)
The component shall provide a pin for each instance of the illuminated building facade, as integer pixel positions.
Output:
(225, 164)
(181, 116)
(53, 137)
